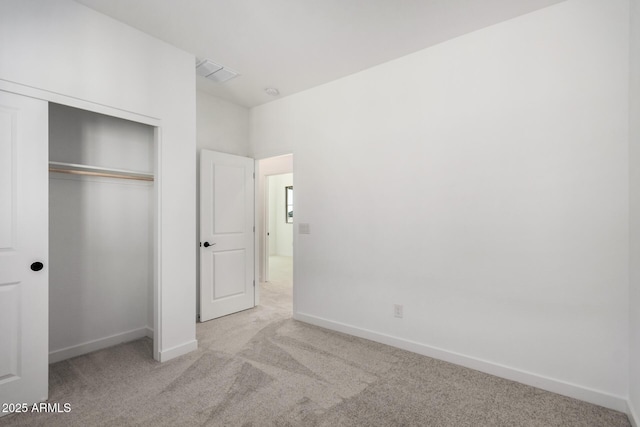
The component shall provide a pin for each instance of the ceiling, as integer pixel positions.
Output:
(293, 45)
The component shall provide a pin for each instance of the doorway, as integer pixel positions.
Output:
(275, 226)
(279, 204)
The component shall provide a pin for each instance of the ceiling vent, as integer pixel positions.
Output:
(213, 71)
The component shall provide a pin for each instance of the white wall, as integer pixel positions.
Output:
(281, 232)
(68, 50)
(484, 186)
(221, 125)
(634, 147)
(100, 234)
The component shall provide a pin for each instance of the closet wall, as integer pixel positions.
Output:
(101, 233)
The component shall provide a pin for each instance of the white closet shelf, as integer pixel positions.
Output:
(77, 169)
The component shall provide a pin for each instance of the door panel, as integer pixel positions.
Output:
(229, 188)
(226, 234)
(229, 273)
(24, 304)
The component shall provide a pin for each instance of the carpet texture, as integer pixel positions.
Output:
(261, 368)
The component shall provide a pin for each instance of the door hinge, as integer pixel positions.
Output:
(254, 175)
(254, 283)
(254, 228)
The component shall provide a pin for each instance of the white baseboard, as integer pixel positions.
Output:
(178, 350)
(633, 415)
(610, 401)
(98, 344)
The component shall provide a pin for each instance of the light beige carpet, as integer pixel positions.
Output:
(260, 368)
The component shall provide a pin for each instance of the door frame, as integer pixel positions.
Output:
(156, 123)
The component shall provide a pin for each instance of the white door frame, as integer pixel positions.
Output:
(134, 117)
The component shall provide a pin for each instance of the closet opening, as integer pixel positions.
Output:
(102, 213)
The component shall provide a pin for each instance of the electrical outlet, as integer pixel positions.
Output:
(397, 310)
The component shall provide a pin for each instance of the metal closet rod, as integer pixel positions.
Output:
(76, 169)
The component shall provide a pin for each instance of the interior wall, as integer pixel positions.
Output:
(281, 232)
(221, 125)
(484, 186)
(101, 234)
(634, 161)
(69, 50)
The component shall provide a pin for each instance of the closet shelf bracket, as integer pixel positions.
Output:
(77, 169)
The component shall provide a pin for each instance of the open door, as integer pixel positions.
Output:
(24, 245)
(227, 282)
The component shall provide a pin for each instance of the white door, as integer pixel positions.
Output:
(24, 297)
(226, 234)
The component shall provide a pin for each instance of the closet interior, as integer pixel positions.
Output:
(101, 231)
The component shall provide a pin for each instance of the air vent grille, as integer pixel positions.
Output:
(213, 71)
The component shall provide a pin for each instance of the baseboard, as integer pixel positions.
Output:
(98, 344)
(596, 397)
(633, 415)
(149, 332)
(179, 350)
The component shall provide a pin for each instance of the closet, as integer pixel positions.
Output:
(101, 222)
